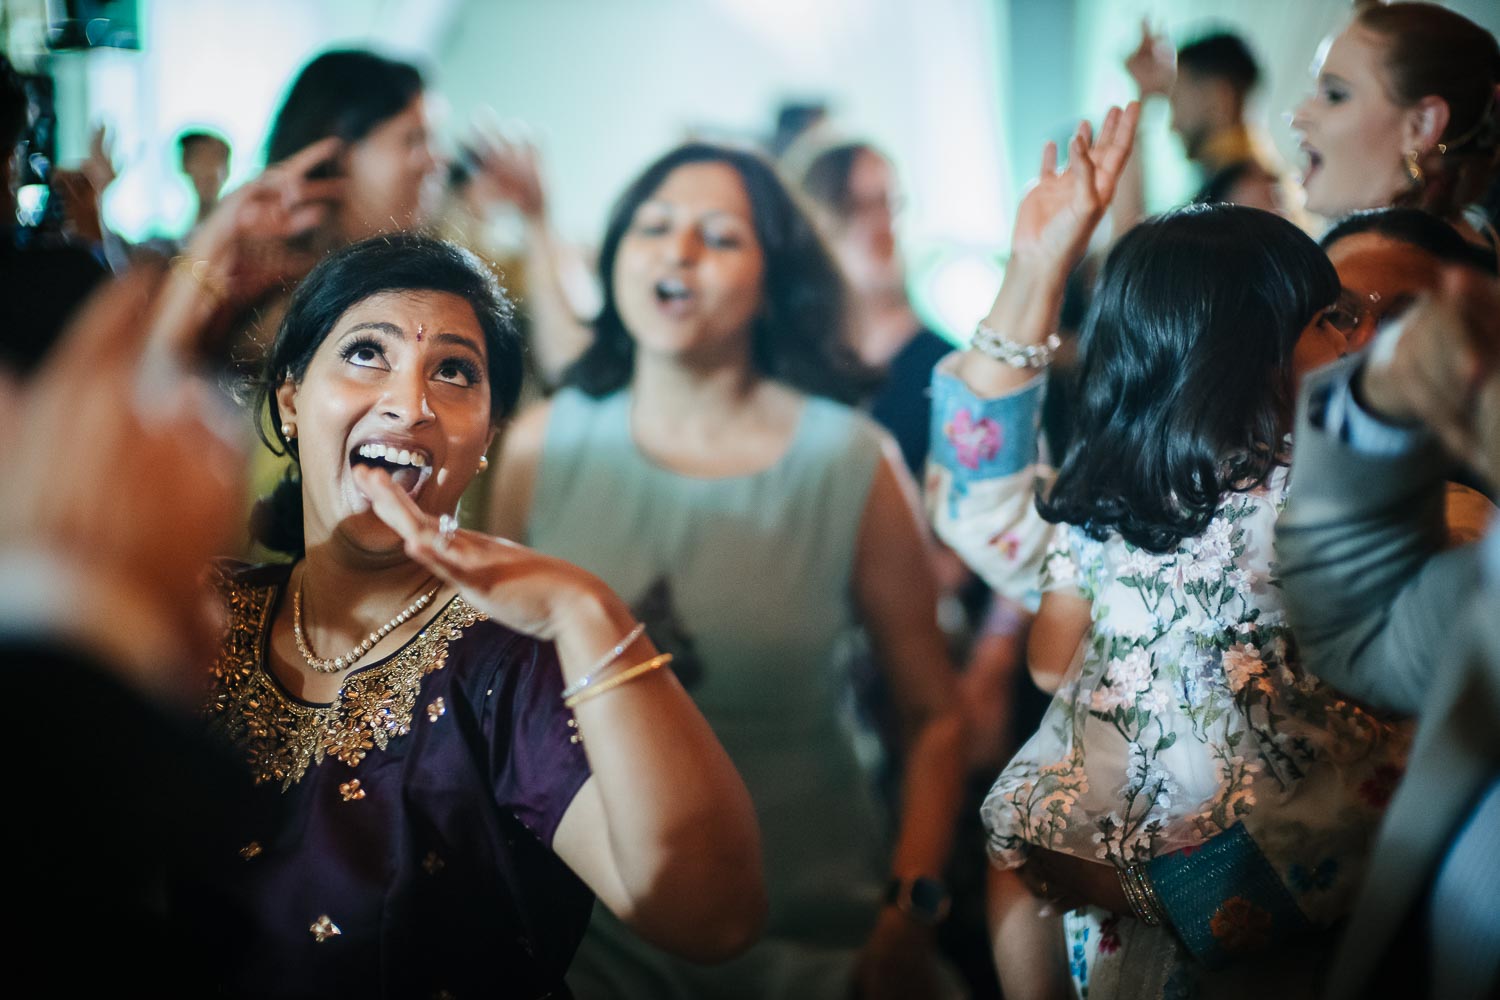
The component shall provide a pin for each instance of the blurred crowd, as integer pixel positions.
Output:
(684, 616)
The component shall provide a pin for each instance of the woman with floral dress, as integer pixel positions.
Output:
(1191, 781)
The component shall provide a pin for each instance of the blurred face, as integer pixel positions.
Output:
(1323, 341)
(688, 275)
(1353, 133)
(399, 382)
(206, 164)
(393, 176)
(864, 238)
(1380, 277)
(1193, 101)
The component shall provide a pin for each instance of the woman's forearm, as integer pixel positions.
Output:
(931, 794)
(678, 823)
(558, 336)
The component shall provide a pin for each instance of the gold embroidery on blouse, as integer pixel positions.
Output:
(283, 737)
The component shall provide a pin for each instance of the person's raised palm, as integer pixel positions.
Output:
(1058, 215)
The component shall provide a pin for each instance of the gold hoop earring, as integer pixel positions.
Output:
(1413, 168)
(288, 431)
(484, 462)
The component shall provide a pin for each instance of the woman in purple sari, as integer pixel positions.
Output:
(460, 742)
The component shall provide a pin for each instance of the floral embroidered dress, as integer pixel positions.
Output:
(1185, 736)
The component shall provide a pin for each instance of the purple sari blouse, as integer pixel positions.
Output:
(404, 841)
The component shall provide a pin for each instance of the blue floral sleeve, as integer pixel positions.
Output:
(982, 476)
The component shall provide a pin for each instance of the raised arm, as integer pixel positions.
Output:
(510, 171)
(982, 472)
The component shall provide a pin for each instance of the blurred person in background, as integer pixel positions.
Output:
(1208, 83)
(43, 276)
(1399, 620)
(1387, 258)
(1405, 112)
(752, 518)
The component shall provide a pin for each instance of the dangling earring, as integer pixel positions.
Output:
(1413, 168)
(288, 431)
(484, 463)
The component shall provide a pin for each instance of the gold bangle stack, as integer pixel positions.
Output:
(624, 677)
(1141, 895)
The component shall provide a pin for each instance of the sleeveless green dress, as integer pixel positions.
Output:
(747, 580)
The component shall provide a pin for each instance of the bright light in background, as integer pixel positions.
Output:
(955, 288)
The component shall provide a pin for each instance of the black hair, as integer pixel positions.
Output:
(826, 179)
(14, 107)
(345, 93)
(193, 137)
(800, 335)
(1185, 371)
(391, 263)
(1221, 55)
(1420, 229)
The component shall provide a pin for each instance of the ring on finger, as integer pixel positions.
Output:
(447, 528)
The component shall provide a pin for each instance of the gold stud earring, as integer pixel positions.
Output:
(288, 431)
(1413, 168)
(484, 462)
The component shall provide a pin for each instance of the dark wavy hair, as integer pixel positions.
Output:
(800, 334)
(394, 262)
(1420, 229)
(1185, 371)
(342, 92)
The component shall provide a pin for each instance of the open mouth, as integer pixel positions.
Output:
(670, 291)
(409, 467)
(1314, 162)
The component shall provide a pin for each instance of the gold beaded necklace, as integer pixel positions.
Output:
(335, 664)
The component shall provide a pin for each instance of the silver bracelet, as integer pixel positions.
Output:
(605, 662)
(993, 344)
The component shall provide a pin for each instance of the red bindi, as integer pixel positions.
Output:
(419, 333)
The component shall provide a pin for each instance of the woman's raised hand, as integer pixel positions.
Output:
(1058, 215)
(516, 586)
(507, 170)
(253, 242)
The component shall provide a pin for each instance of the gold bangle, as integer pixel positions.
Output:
(639, 670)
(198, 270)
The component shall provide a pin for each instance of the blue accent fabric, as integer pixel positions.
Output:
(978, 439)
(1224, 898)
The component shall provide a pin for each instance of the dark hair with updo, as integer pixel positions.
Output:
(1420, 229)
(398, 262)
(344, 92)
(1433, 51)
(826, 179)
(799, 335)
(1185, 371)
